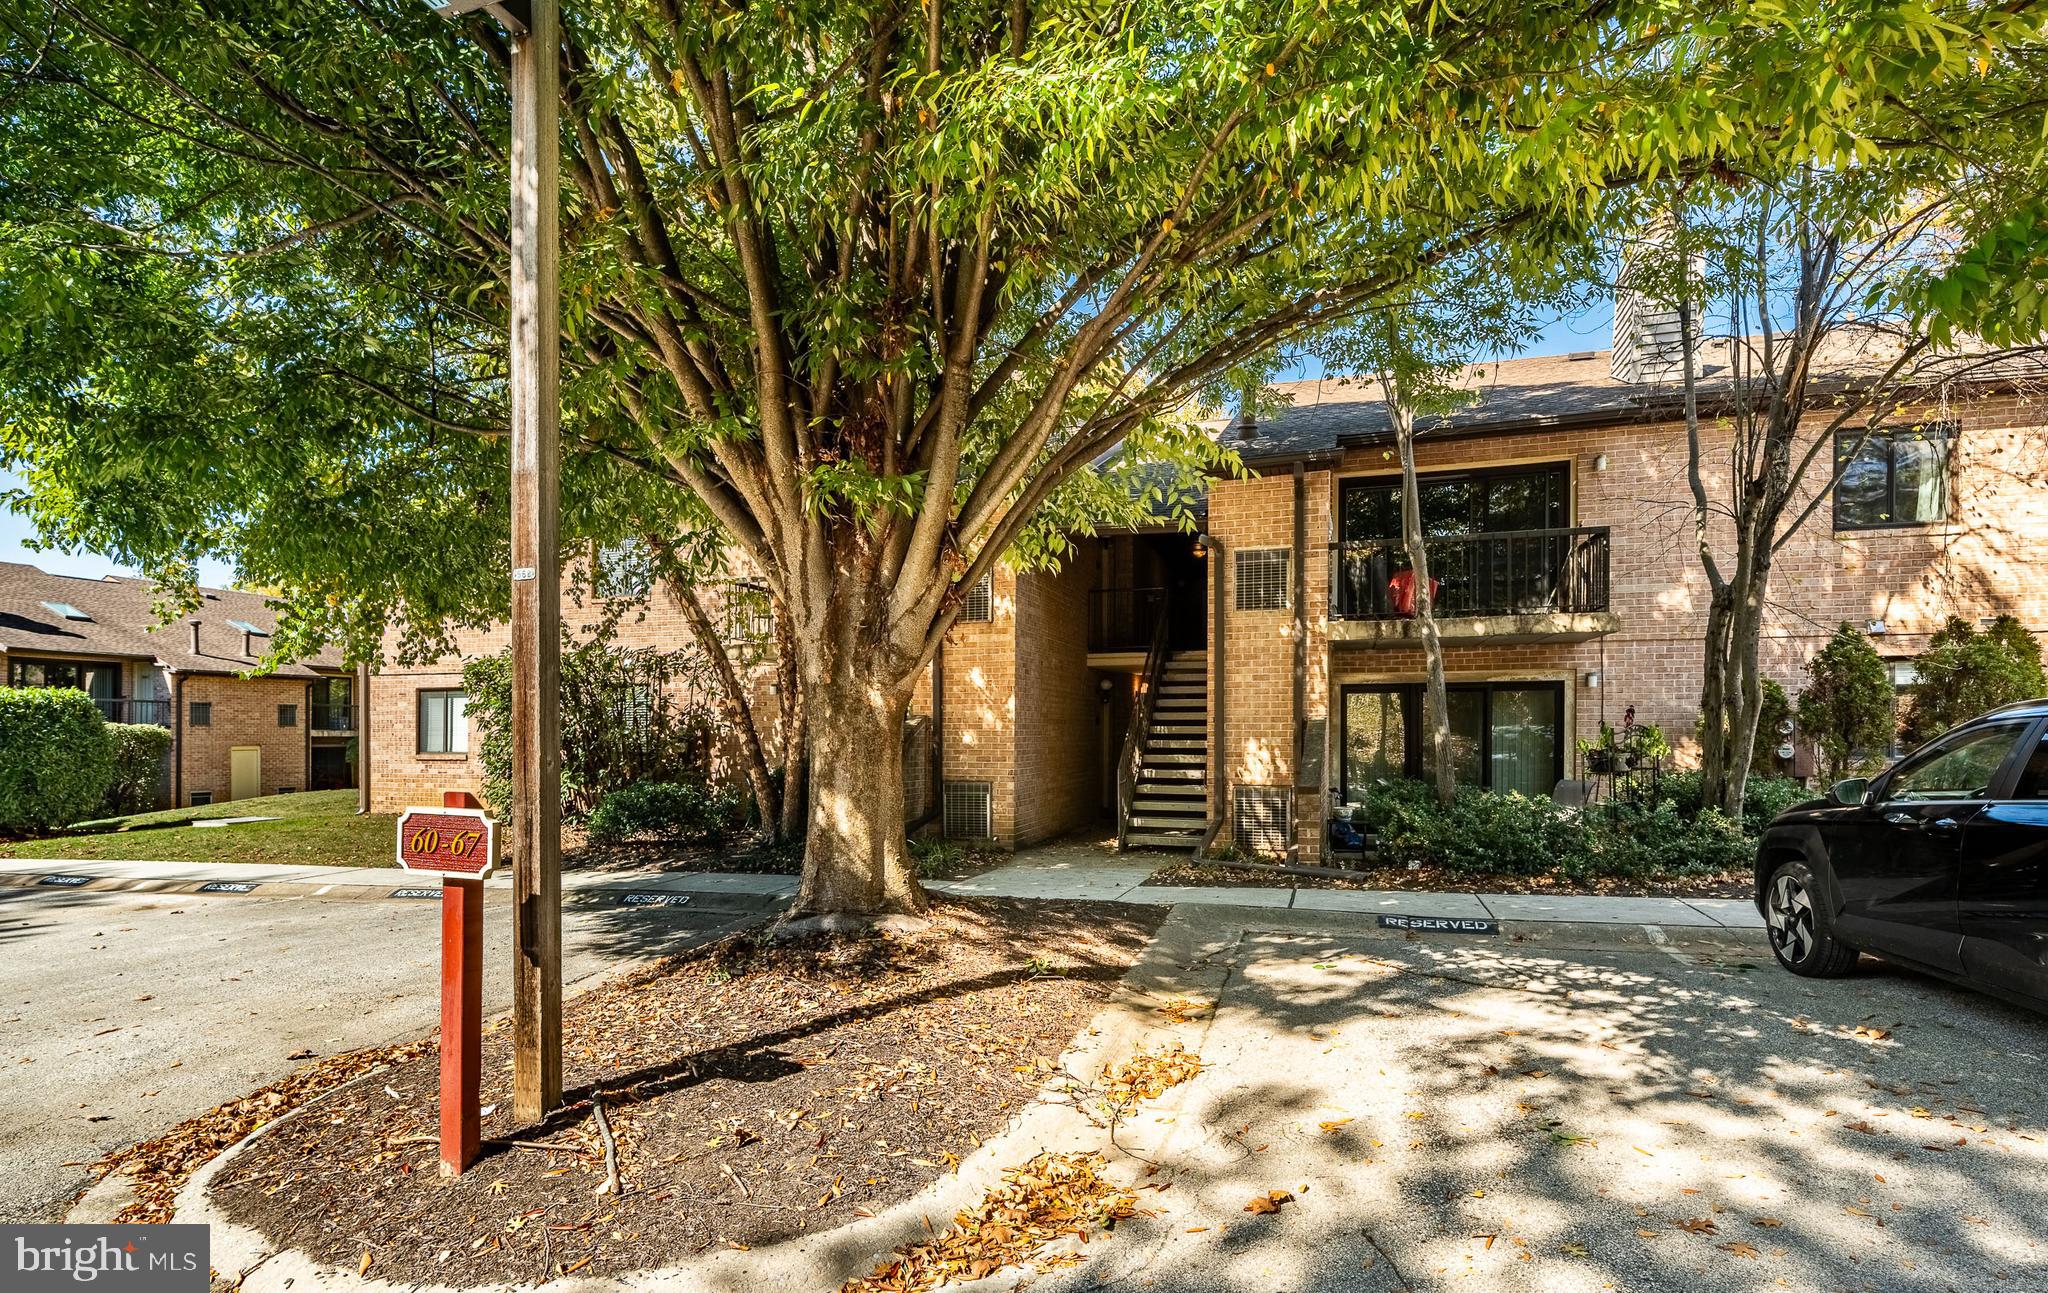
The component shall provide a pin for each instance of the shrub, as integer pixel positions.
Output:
(1508, 834)
(56, 758)
(622, 723)
(1964, 673)
(662, 810)
(1847, 707)
(139, 750)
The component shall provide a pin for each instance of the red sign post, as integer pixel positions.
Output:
(459, 844)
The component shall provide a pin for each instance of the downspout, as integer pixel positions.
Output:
(938, 751)
(306, 728)
(1216, 696)
(177, 738)
(1300, 638)
(361, 717)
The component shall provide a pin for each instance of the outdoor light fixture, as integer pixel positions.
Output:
(1874, 626)
(1202, 542)
(516, 16)
(1592, 678)
(1599, 462)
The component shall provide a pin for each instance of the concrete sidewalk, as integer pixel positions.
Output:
(1068, 873)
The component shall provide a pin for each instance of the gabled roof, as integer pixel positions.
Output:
(121, 622)
(1327, 415)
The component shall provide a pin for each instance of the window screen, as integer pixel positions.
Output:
(967, 815)
(202, 713)
(444, 722)
(980, 606)
(200, 798)
(623, 570)
(287, 715)
(1262, 579)
(1259, 821)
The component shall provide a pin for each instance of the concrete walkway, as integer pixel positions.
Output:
(1062, 871)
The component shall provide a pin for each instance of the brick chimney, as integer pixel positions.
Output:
(195, 637)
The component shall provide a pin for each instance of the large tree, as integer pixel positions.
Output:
(878, 284)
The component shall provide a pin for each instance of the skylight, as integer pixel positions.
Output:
(67, 610)
(244, 626)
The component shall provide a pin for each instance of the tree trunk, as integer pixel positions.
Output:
(856, 855)
(732, 697)
(1436, 706)
(795, 738)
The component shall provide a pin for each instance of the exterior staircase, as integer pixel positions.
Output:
(1170, 804)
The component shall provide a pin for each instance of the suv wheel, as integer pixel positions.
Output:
(1800, 935)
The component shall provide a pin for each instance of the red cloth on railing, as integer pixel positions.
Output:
(1401, 592)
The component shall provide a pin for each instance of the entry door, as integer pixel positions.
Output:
(2003, 897)
(245, 772)
(1899, 889)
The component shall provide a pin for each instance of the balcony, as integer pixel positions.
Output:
(1511, 586)
(329, 720)
(126, 709)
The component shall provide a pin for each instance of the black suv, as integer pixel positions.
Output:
(1939, 862)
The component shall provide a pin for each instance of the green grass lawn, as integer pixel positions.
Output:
(317, 828)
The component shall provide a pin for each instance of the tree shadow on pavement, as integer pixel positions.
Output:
(1480, 1116)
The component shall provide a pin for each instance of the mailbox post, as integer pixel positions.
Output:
(459, 844)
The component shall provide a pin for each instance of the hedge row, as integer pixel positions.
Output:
(56, 758)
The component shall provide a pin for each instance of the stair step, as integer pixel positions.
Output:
(1151, 760)
(1165, 839)
(1157, 742)
(1183, 789)
(1170, 774)
(1180, 703)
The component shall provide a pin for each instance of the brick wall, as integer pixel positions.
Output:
(244, 714)
(1990, 557)
(1059, 733)
(400, 776)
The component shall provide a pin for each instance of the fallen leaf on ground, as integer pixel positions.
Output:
(1268, 1202)
(1740, 1249)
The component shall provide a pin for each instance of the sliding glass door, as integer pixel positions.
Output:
(1505, 736)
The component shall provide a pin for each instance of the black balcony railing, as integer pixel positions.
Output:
(333, 718)
(126, 709)
(1518, 572)
(1123, 619)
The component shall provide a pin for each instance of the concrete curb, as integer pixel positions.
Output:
(400, 888)
(1181, 961)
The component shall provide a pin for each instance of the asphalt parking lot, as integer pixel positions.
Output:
(1473, 1113)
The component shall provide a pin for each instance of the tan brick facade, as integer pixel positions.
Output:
(1990, 557)
(244, 716)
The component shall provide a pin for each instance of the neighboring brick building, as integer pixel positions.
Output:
(233, 736)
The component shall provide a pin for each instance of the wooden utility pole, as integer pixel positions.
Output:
(536, 816)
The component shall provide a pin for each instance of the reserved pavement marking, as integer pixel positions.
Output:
(1440, 924)
(228, 886)
(415, 893)
(65, 881)
(655, 900)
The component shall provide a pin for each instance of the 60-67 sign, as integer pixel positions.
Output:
(459, 842)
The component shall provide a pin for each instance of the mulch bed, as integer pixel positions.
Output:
(740, 856)
(1433, 880)
(754, 1091)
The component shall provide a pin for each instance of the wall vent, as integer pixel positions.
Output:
(1262, 579)
(979, 606)
(1261, 818)
(967, 814)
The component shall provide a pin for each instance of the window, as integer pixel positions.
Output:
(1961, 768)
(967, 814)
(1537, 497)
(1504, 736)
(444, 722)
(979, 607)
(1262, 578)
(67, 610)
(1891, 478)
(202, 714)
(622, 570)
(2034, 780)
(100, 680)
(287, 715)
(200, 798)
(1259, 818)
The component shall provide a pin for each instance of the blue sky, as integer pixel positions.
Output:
(1587, 330)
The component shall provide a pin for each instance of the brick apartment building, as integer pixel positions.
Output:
(233, 736)
(1163, 684)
